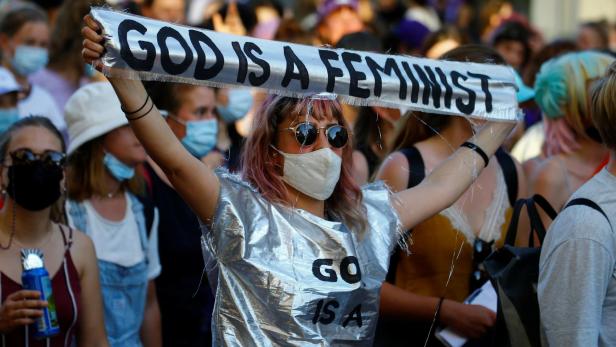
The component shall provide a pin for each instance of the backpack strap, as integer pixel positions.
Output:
(510, 172)
(417, 168)
(591, 204)
(417, 172)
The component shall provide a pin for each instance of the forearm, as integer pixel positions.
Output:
(151, 130)
(151, 328)
(450, 179)
(465, 165)
(397, 303)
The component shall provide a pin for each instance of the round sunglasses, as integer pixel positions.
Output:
(306, 134)
(27, 156)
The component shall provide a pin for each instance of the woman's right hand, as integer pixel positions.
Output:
(471, 321)
(93, 47)
(20, 308)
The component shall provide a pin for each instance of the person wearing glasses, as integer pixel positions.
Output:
(105, 202)
(32, 156)
(301, 251)
(465, 233)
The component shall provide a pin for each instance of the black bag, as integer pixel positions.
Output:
(514, 272)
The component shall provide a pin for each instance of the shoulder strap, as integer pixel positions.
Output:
(417, 169)
(417, 172)
(77, 214)
(148, 213)
(591, 204)
(510, 172)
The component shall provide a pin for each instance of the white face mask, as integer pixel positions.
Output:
(314, 174)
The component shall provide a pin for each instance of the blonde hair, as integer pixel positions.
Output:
(86, 172)
(562, 86)
(604, 107)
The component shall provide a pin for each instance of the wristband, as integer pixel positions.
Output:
(130, 119)
(139, 109)
(477, 150)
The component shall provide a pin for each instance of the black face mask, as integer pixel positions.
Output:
(35, 185)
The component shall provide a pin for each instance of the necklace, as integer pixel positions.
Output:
(3, 247)
(114, 193)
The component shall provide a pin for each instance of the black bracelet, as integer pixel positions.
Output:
(139, 109)
(437, 316)
(130, 119)
(478, 150)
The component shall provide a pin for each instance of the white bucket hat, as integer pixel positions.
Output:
(8, 84)
(92, 111)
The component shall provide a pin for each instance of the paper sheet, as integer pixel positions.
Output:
(484, 296)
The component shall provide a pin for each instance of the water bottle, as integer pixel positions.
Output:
(36, 277)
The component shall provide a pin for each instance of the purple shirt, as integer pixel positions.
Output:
(56, 85)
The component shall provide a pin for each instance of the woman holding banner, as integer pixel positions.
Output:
(301, 250)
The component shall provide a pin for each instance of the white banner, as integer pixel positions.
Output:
(148, 49)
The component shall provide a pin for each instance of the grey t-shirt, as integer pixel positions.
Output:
(577, 278)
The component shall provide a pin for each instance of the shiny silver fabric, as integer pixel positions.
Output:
(289, 278)
(144, 48)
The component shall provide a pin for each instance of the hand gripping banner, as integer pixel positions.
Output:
(148, 49)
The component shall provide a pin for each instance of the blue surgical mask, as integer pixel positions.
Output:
(200, 136)
(29, 59)
(8, 116)
(118, 169)
(240, 102)
(89, 71)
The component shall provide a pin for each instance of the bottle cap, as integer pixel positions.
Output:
(31, 258)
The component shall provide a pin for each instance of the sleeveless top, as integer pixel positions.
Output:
(435, 243)
(124, 288)
(67, 293)
(437, 239)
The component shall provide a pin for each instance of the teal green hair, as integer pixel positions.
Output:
(561, 86)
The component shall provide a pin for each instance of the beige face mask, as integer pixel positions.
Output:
(314, 174)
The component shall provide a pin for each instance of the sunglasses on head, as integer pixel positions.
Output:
(481, 251)
(27, 156)
(306, 134)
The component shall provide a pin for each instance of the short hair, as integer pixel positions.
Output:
(604, 107)
(15, 18)
(561, 87)
(601, 30)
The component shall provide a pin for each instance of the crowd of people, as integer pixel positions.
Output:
(174, 214)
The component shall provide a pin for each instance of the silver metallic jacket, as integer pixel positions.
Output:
(289, 278)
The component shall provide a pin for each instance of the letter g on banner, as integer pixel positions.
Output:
(125, 51)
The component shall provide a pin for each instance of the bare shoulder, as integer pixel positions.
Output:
(395, 171)
(82, 251)
(549, 180)
(548, 172)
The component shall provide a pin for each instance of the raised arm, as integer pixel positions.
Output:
(449, 180)
(193, 180)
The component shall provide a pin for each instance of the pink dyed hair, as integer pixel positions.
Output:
(258, 167)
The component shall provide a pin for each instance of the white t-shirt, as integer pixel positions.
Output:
(40, 103)
(118, 242)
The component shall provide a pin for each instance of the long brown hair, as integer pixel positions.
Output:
(66, 42)
(86, 170)
(345, 204)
